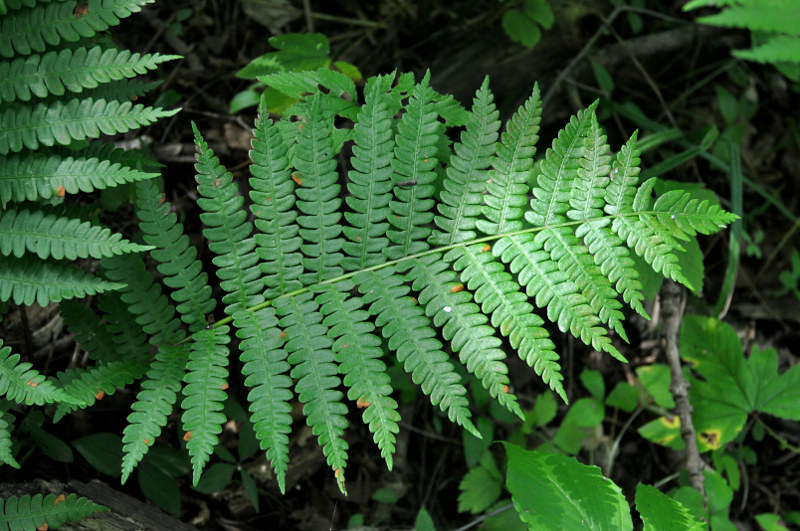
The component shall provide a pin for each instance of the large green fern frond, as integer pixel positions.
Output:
(21, 383)
(6, 455)
(318, 289)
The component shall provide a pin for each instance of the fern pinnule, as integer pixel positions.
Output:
(6, 455)
(370, 183)
(63, 122)
(314, 370)
(227, 230)
(204, 393)
(265, 367)
(87, 386)
(318, 198)
(499, 295)
(463, 325)
(43, 512)
(50, 236)
(154, 403)
(277, 240)
(28, 279)
(159, 389)
(358, 353)
(71, 70)
(31, 28)
(21, 383)
(177, 259)
(403, 323)
(30, 176)
(416, 146)
(506, 194)
(467, 173)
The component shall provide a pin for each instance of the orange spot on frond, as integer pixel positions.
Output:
(506, 389)
(457, 288)
(424, 160)
(361, 403)
(224, 386)
(61, 191)
(187, 436)
(358, 238)
(32, 383)
(414, 299)
(338, 472)
(161, 200)
(100, 394)
(147, 441)
(43, 527)
(81, 10)
(345, 345)
(283, 335)
(216, 183)
(60, 498)
(487, 247)
(296, 178)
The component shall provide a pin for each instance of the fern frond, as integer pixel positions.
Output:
(318, 199)
(87, 386)
(511, 170)
(71, 70)
(499, 295)
(28, 279)
(32, 30)
(776, 49)
(94, 338)
(404, 325)
(227, 230)
(30, 176)
(370, 185)
(265, 369)
(62, 122)
(177, 259)
(122, 90)
(553, 289)
(460, 200)
(22, 384)
(312, 360)
(418, 133)
(204, 394)
(6, 456)
(43, 512)
(128, 341)
(463, 324)
(358, 353)
(278, 242)
(153, 405)
(49, 236)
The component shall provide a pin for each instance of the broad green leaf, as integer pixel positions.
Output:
(659, 512)
(103, 451)
(552, 491)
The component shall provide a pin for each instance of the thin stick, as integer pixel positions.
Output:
(673, 301)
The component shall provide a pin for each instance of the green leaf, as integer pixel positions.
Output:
(593, 382)
(215, 478)
(579, 424)
(552, 491)
(480, 487)
(102, 450)
(624, 396)
(660, 512)
(295, 52)
(159, 487)
(520, 28)
(424, 522)
(656, 380)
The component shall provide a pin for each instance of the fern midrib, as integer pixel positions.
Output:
(435, 250)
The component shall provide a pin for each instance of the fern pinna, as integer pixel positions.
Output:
(421, 249)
